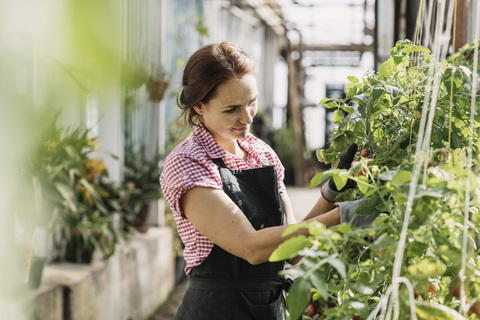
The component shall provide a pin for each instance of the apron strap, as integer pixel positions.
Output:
(220, 163)
(247, 284)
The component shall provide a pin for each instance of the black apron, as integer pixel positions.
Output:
(227, 287)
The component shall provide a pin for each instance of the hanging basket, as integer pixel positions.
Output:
(157, 89)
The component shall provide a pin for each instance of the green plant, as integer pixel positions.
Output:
(178, 245)
(349, 272)
(72, 188)
(142, 176)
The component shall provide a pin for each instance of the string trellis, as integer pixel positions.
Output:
(388, 306)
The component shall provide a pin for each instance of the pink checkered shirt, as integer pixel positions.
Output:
(190, 164)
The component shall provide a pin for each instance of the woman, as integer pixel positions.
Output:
(225, 188)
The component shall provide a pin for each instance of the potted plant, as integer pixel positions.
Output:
(158, 84)
(101, 217)
(422, 268)
(142, 178)
(133, 75)
(72, 192)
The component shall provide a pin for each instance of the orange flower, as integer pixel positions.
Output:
(93, 143)
(51, 144)
(86, 195)
(94, 168)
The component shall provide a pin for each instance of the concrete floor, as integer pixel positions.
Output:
(167, 312)
(302, 200)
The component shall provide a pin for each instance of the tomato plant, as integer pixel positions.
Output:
(350, 269)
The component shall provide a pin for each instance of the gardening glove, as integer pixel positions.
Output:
(347, 213)
(329, 189)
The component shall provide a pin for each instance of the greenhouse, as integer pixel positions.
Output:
(240, 159)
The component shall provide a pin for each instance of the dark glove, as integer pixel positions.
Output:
(347, 213)
(329, 189)
(346, 163)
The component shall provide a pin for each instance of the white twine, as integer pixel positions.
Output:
(463, 298)
(441, 42)
(428, 23)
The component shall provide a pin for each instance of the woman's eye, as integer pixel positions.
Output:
(230, 110)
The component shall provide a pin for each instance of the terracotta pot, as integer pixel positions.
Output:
(141, 219)
(157, 89)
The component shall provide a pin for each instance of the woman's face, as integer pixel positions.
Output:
(229, 113)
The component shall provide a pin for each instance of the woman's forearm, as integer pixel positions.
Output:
(321, 206)
(263, 242)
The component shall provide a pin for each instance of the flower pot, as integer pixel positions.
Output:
(157, 89)
(76, 251)
(141, 219)
(35, 272)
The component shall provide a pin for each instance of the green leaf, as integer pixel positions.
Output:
(377, 109)
(427, 268)
(319, 284)
(316, 228)
(330, 105)
(358, 306)
(325, 100)
(289, 248)
(297, 299)
(95, 196)
(352, 79)
(67, 193)
(388, 176)
(338, 143)
(337, 116)
(435, 192)
(340, 180)
(361, 288)
(362, 187)
(344, 228)
(55, 170)
(387, 68)
(458, 158)
(319, 178)
(338, 265)
(350, 90)
(294, 227)
(358, 101)
(377, 92)
(360, 128)
(402, 177)
(347, 108)
(414, 48)
(434, 311)
(357, 167)
(452, 79)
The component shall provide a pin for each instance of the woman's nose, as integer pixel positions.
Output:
(247, 116)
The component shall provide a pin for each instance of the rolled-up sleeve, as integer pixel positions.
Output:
(181, 173)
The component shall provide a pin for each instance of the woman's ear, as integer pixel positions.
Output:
(198, 108)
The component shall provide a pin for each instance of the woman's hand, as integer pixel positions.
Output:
(329, 190)
(347, 213)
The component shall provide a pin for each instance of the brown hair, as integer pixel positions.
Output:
(206, 69)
